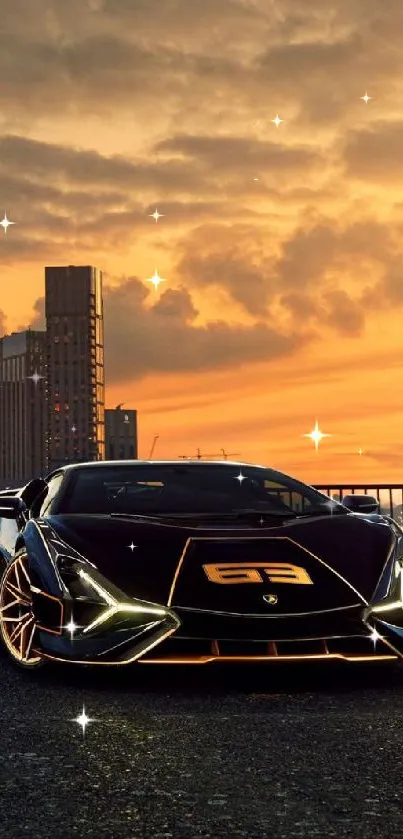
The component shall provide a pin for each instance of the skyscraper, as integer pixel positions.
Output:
(121, 434)
(75, 364)
(22, 407)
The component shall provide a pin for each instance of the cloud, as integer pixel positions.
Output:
(163, 338)
(374, 154)
(192, 79)
(234, 154)
(63, 197)
(39, 319)
(305, 274)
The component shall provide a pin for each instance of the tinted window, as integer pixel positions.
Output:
(185, 488)
(53, 487)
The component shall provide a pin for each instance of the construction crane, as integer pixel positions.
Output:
(153, 446)
(225, 455)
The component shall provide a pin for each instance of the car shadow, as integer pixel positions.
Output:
(218, 679)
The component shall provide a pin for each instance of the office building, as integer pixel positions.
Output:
(23, 397)
(121, 434)
(75, 364)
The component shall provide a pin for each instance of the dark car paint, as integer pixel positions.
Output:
(348, 557)
(354, 547)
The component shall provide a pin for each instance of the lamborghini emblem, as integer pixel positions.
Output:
(257, 572)
(271, 599)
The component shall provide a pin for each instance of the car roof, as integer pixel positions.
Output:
(94, 464)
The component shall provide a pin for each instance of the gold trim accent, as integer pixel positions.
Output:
(276, 572)
(108, 663)
(266, 658)
(251, 538)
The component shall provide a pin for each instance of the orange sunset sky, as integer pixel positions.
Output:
(281, 247)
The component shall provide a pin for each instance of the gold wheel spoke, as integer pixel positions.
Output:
(17, 575)
(17, 618)
(24, 571)
(9, 605)
(29, 644)
(11, 620)
(20, 627)
(17, 592)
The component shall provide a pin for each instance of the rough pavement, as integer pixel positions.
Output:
(200, 753)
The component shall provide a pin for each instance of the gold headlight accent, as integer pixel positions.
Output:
(114, 606)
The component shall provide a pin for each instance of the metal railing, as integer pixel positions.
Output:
(389, 496)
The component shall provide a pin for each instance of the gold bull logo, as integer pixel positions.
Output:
(257, 572)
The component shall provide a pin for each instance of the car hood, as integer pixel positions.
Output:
(174, 562)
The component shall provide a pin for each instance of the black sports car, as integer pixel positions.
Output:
(195, 562)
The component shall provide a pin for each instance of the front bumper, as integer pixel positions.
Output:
(211, 638)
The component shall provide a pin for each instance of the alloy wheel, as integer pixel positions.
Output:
(17, 619)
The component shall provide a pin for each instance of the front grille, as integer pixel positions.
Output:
(353, 648)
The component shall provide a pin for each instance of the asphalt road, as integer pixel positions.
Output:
(201, 753)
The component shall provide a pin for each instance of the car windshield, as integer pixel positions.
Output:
(153, 489)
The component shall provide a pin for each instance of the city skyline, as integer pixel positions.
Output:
(247, 153)
(52, 385)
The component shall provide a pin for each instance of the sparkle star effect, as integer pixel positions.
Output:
(316, 435)
(35, 377)
(240, 478)
(375, 636)
(366, 98)
(6, 223)
(277, 120)
(156, 215)
(360, 451)
(132, 547)
(72, 628)
(83, 720)
(156, 280)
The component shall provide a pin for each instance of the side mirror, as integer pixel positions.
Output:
(31, 491)
(11, 507)
(361, 503)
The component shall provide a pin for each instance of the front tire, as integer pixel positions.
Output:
(17, 619)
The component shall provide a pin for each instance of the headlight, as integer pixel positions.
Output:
(90, 590)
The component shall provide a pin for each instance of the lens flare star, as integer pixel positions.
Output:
(156, 280)
(35, 377)
(277, 120)
(83, 720)
(366, 98)
(72, 628)
(375, 636)
(316, 435)
(6, 223)
(132, 547)
(240, 478)
(156, 215)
